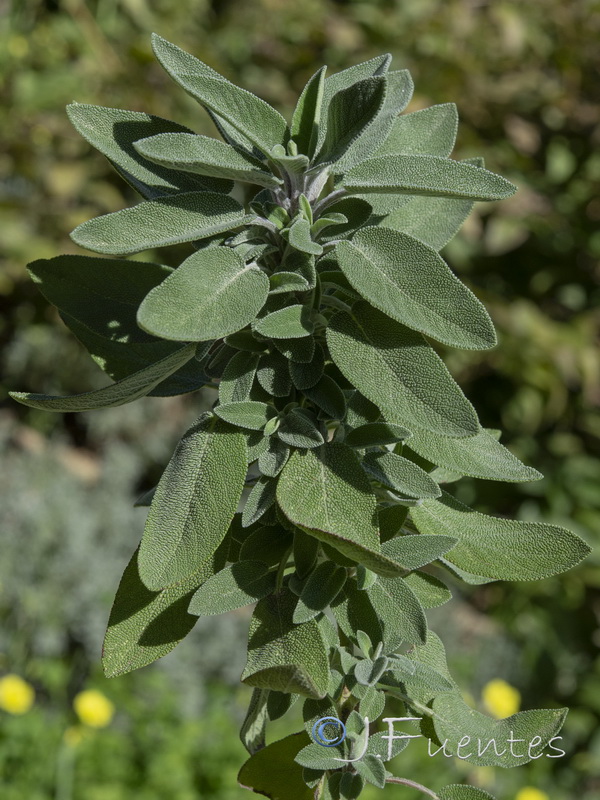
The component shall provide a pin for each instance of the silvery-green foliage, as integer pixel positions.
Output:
(312, 487)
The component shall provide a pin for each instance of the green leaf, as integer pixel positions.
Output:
(327, 395)
(284, 656)
(252, 732)
(125, 391)
(345, 79)
(283, 282)
(391, 519)
(427, 131)
(322, 587)
(426, 175)
(501, 549)
(368, 672)
(233, 587)
(460, 792)
(356, 211)
(214, 294)
(304, 375)
(300, 350)
(238, 377)
(156, 223)
(296, 430)
(146, 625)
(246, 414)
(359, 410)
(400, 474)
(245, 340)
(399, 611)
(246, 113)
(373, 434)
(480, 456)
(306, 119)
(306, 550)
(372, 770)
(456, 723)
(326, 493)
(300, 238)
(273, 772)
(416, 551)
(266, 544)
(411, 283)
(260, 500)
(194, 503)
(113, 132)
(431, 592)
(273, 460)
(395, 368)
(350, 112)
(204, 156)
(291, 322)
(273, 374)
(433, 220)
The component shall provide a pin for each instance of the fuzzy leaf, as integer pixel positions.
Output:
(373, 434)
(426, 175)
(480, 456)
(273, 460)
(306, 119)
(411, 283)
(125, 391)
(246, 113)
(296, 430)
(252, 732)
(260, 500)
(399, 611)
(480, 735)
(327, 395)
(372, 770)
(204, 156)
(233, 587)
(321, 588)
(157, 223)
(246, 414)
(427, 131)
(214, 294)
(194, 503)
(291, 322)
(501, 549)
(146, 625)
(304, 375)
(461, 792)
(283, 282)
(400, 474)
(238, 377)
(300, 238)
(284, 656)
(395, 368)
(113, 131)
(273, 374)
(300, 350)
(267, 544)
(417, 551)
(356, 211)
(325, 492)
(431, 592)
(273, 772)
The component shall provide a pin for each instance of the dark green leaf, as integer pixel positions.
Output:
(238, 377)
(260, 499)
(400, 612)
(400, 474)
(327, 395)
(252, 733)
(298, 431)
(304, 375)
(306, 119)
(233, 587)
(374, 434)
(273, 374)
(266, 544)
(273, 772)
(321, 588)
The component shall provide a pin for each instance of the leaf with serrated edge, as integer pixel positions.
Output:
(233, 587)
(411, 283)
(215, 294)
(125, 391)
(284, 656)
(194, 503)
(502, 549)
(157, 223)
(397, 370)
(325, 492)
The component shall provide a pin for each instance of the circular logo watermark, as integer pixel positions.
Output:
(319, 731)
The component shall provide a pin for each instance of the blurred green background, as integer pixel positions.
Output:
(525, 77)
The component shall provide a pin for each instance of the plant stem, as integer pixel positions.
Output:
(413, 785)
(281, 569)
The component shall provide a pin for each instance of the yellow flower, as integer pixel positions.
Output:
(16, 695)
(501, 699)
(93, 708)
(529, 793)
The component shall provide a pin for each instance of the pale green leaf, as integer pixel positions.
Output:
(284, 656)
(427, 131)
(203, 155)
(233, 587)
(296, 430)
(282, 282)
(431, 592)
(502, 549)
(291, 322)
(113, 131)
(395, 368)
(156, 223)
(411, 283)
(463, 792)
(246, 414)
(417, 551)
(399, 611)
(306, 118)
(246, 113)
(273, 374)
(214, 294)
(252, 732)
(300, 238)
(356, 211)
(238, 377)
(372, 770)
(426, 175)
(400, 474)
(125, 391)
(194, 503)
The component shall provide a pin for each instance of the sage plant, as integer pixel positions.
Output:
(318, 487)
